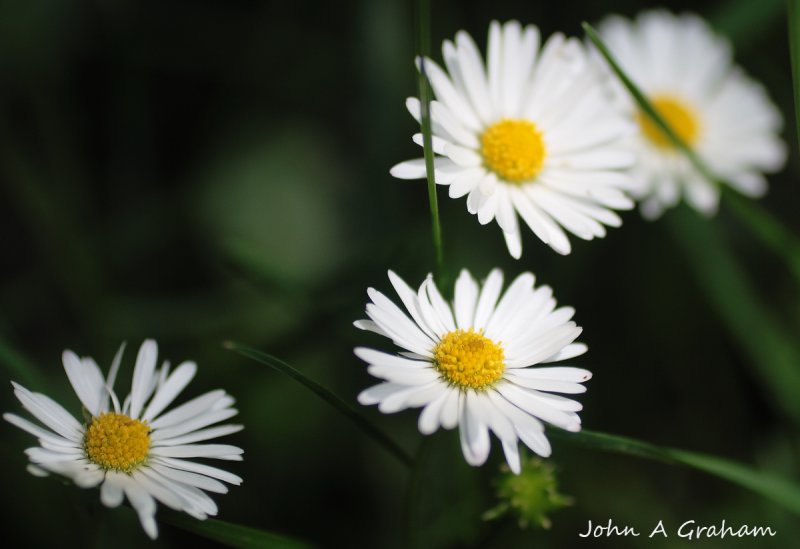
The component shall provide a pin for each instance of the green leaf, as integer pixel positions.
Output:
(793, 9)
(234, 535)
(772, 351)
(768, 485)
(328, 396)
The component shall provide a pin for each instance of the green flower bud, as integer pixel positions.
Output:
(529, 496)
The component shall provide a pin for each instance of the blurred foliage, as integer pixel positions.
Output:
(203, 171)
(794, 49)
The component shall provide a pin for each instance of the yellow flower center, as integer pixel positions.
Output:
(680, 117)
(467, 359)
(513, 149)
(117, 442)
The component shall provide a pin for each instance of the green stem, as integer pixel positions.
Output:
(423, 50)
(328, 396)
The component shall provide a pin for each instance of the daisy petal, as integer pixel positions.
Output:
(49, 412)
(143, 376)
(473, 433)
(111, 492)
(86, 380)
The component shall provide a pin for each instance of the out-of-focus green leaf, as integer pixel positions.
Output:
(793, 13)
(444, 500)
(327, 395)
(768, 229)
(768, 485)
(18, 367)
(771, 350)
(233, 535)
(60, 236)
(745, 21)
(270, 205)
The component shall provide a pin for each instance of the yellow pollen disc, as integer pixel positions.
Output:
(117, 442)
(677, 114)
(513, 149)
(467, 359)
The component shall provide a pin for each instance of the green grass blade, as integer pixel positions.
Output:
(793, 14)
(233, 535)
(770, 486)
(771, 350)
(425, 96)
(327, 395)
(769, 230)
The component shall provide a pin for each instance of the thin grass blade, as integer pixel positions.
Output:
(423, 32)
(772, 351)
(773, 487)
(769, 230)
(644, 104)
(327, 395)
(230, 534)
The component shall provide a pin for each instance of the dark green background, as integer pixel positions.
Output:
(197, 171)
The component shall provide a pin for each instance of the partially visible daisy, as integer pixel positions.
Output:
(134, 449)
(531, 133)
(469, 364)
(687, 73)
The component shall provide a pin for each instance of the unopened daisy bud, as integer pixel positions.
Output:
(530, 496)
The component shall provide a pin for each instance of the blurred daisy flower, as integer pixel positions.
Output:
(469, 365)
(134, 450)
(531, 133)
(687, 73)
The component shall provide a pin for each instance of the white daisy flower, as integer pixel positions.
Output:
(687, 73)
(134, 450)
(469, 365)
(531, 133)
